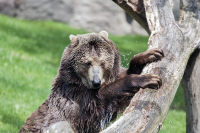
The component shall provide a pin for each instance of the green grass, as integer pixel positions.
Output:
(174, 122)
(30, 53)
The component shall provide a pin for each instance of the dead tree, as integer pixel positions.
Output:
(178, 40)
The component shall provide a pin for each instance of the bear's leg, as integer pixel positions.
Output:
(138, 62)
(129, 84)
(119, 93)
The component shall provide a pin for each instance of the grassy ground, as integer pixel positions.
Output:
(30, 53)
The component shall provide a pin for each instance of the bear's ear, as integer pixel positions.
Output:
(104, 34)
(73, 38)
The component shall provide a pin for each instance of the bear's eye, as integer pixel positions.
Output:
(103, 64)
(88, 64)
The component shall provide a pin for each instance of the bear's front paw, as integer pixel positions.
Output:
(151, 81)
(153, 55)
(145, 81)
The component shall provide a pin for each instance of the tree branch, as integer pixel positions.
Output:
(189, 6)
(189, 21)
(135, 8)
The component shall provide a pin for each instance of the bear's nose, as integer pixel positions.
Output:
(96, 83)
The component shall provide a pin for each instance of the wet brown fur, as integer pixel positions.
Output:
(88, 110)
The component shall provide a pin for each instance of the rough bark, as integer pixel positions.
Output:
(149, 108)
(191, 88)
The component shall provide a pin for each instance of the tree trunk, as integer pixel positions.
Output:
(178, 40)
(191, 89)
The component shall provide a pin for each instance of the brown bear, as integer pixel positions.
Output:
(91, 87)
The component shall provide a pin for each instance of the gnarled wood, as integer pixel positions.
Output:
(149, 108)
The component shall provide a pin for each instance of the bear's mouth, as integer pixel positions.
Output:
(94, 85)
(95, 88)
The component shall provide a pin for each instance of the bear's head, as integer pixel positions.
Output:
(91, 60)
